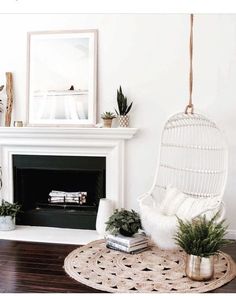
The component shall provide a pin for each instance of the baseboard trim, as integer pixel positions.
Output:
(231, 234)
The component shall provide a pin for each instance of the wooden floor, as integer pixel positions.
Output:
(38, 267)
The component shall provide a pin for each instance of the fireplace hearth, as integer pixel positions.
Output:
(76, 183)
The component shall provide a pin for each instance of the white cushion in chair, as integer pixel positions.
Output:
(160, 221)
(172, 201)
(186, 207)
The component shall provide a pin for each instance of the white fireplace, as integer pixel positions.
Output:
(66, 141)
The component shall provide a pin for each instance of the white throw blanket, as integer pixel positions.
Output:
(159, 219)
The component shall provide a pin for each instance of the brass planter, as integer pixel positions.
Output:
(199, 268)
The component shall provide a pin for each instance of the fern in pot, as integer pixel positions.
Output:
(201, 240)
(123, 109)
(8, 212)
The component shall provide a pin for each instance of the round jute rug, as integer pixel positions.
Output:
(153, 270)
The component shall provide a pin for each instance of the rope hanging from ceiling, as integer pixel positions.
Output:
(190, 108)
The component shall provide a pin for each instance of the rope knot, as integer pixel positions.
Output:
(189, 109)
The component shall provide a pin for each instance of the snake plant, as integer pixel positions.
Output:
(123, 107)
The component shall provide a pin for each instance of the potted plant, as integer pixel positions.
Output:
(123, 109)
(8, 213)
(107, 119)
(124, 222)
(201, 240)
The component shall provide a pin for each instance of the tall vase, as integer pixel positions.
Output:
(105, 210)
(199, 268)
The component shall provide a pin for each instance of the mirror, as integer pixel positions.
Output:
(62, 68)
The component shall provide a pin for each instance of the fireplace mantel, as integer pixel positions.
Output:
(54, 133)
(67, 141)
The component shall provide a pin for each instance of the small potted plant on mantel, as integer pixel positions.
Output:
(201, 240)
(8, 212)
(123, 108)
(107, 119)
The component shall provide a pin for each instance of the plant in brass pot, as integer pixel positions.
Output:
(8, 212)
(124, 222)
(201, 240)
(107, 119)
(123, 108)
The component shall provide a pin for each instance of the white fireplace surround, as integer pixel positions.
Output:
(67, 141)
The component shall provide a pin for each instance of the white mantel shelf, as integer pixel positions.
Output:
(66, 132)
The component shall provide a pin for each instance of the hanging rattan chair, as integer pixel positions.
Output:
(194, 162)
(193, 159)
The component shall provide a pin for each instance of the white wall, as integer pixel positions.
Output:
(148, 56)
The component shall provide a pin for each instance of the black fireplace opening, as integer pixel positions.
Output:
(58, 191)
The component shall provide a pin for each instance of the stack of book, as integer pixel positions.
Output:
(135, 244)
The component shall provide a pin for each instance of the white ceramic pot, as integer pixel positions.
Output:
(123, 121)
(7, 223)
(105, 210)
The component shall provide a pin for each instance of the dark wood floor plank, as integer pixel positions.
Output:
(32, 261)
(31, 267)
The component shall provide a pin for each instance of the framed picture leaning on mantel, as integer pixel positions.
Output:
(62, 78)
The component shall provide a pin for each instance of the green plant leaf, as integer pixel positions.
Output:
(201, 237)
(122, 103)
(124, 219)
(9, 209)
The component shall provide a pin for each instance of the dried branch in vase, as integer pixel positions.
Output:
(9, 91)
(1, 104)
